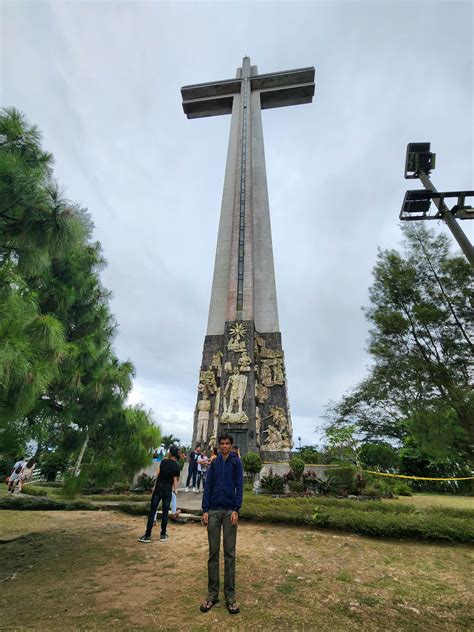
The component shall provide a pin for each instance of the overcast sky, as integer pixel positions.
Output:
(102, 79)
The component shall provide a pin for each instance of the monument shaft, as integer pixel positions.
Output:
(242, 384)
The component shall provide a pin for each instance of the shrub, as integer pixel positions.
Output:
(297, 487)
(386, 519)
(44, 504)
(144, 483)
(36, 490)
(350, 478)
(120, 488)
(252, 464)
(373, 490)
(297, 467)
(402, 489)
(272, 483)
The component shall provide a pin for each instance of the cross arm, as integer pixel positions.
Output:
(209, 99)
(291, 87)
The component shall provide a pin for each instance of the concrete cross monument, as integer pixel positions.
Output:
(242, 382)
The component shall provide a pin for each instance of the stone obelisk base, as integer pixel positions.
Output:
(242, 391)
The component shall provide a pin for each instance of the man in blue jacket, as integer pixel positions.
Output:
(221, 504)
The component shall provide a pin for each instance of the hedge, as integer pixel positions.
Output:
(373, 518)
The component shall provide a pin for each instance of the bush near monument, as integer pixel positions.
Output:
(272, 483)
(252, 464)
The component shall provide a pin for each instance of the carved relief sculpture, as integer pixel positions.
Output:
(216, 412)
(238, 331)
(261, 393)
(258, 425)
(265, 352)
(244, 362)
(276, 440)
(266, 375)
(207, 382)
(278, 375)
(216, 363)
(204, 408)
(236, 387)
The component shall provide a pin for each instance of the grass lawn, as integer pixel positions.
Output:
(86, 571)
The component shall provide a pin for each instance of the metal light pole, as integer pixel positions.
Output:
(418, 164)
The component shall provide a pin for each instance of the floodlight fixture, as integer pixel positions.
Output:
(419, 158)
(416, 205)
(419, 161)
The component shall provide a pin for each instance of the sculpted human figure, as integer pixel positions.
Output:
(244, 362)
(266, 375)
(276, 440)
(278, 376)
(208, 381)
(216, 410)
(261, 393)
(216, 363)
(279, 418)
(237, 383)
(204, 408)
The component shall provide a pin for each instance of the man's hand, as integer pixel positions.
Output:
(205, 517)
(234, 516)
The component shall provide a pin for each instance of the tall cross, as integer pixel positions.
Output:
(244, 279)
(242, 387)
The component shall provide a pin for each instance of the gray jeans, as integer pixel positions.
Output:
(220, 518)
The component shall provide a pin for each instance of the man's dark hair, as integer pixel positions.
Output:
(226, 437)
(198, 445)
(174, 451)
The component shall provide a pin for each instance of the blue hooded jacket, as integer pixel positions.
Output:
(224, 484)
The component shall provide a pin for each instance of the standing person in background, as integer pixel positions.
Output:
(14, 479)
(221, 504)
(236, 450)
(213, 455)
(192, 471)
(166, 483)
(202, 464)
(26, 473)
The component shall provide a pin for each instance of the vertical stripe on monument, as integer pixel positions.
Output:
(220, 282)
(265, 297)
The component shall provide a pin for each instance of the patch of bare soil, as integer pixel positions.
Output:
(87, 571)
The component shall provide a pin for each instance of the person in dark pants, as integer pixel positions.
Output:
(193, 467)
(221, 504)
(166, 482)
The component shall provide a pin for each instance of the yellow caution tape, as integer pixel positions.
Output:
(413, 478)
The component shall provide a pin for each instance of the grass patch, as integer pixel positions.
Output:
(373, 518)
(30, 503)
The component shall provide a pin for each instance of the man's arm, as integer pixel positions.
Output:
(239, 485)
(175, 483)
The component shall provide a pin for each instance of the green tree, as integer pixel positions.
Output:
(168, 440)
(61, 384)
(379, 455)
(419, 384)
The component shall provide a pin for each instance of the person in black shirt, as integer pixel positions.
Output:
(166, 481)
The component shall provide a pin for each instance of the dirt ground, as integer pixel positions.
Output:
(86, 571)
